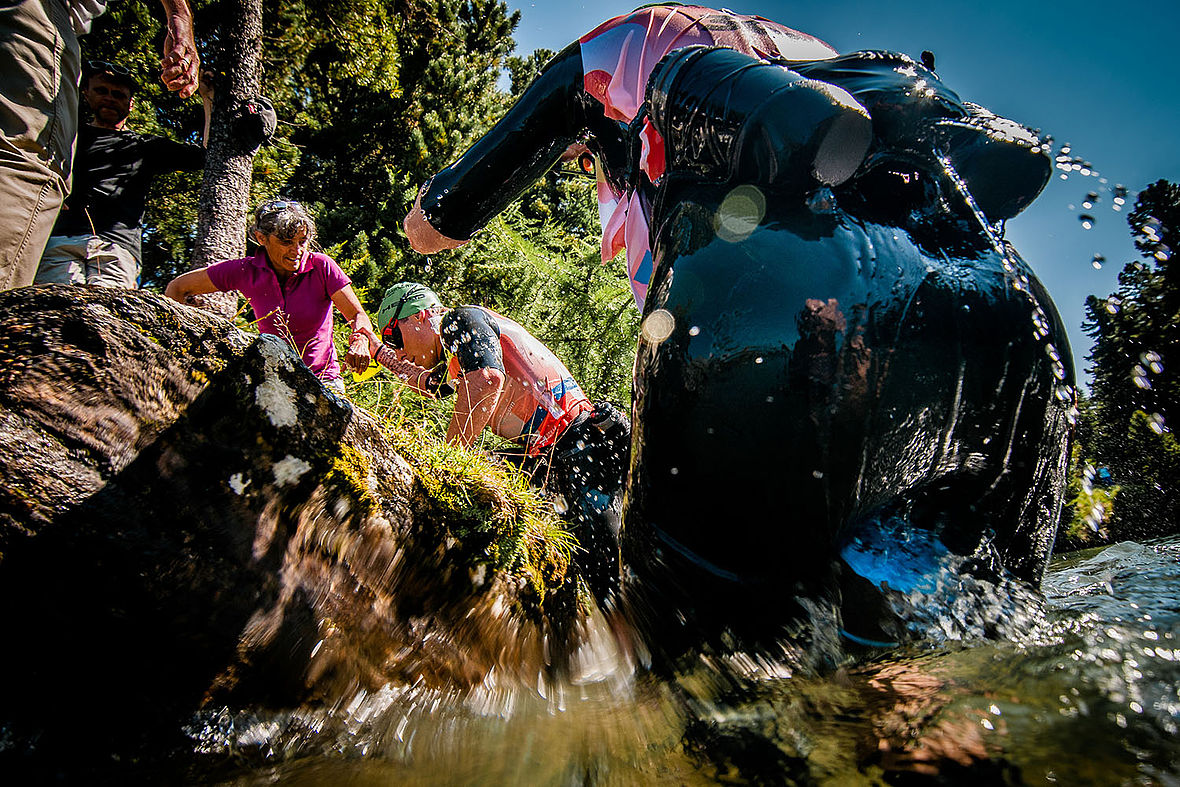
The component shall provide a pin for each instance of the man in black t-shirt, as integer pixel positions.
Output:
(96, 239)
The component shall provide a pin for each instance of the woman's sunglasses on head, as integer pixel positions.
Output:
(277, 206)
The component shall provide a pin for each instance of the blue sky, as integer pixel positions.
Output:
(1096, 75)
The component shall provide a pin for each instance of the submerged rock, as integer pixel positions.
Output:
(188, 518)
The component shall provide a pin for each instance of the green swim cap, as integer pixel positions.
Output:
(403, 299)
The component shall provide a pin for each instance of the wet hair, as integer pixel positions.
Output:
(282, 218)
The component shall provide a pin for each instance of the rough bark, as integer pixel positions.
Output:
(225, 190)
(189, 517)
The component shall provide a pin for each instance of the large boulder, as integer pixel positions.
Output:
(189, 517)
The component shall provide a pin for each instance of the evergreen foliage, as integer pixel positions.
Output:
(373, 96)
(1136, 392)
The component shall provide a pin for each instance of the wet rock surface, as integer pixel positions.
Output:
(188, 517)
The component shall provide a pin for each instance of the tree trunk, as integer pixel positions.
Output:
(225, 190)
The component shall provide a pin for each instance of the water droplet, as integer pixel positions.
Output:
(1098, 261)
(758, 359)
(675, 471)
(1156, 423)
(1087, 221)
(694, 330)
(658, 326)
(817, 474)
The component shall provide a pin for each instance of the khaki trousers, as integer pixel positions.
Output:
(40, 64)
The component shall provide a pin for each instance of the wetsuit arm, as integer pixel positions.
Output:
(546, 119)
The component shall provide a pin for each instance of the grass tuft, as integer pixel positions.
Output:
(476, 496)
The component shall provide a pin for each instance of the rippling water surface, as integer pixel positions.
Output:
(1089, 695)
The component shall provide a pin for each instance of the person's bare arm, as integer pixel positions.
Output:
(180, 62)
(359, 352)
(188, 284)
(478, 392)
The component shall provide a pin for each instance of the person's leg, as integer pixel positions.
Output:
(726, 115)
(110, 265)
(587, 471)
(64, 260)
(39, 69)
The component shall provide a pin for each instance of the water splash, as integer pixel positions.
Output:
(1017, 279)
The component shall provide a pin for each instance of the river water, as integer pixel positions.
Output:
(1087, 695)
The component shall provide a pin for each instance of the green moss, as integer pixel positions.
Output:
(482, 498)
(349, 476)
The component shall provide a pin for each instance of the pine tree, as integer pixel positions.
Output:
(1136, 334)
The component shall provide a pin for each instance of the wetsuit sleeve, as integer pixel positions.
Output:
(164, 155)
(546, 119)
(472, 336)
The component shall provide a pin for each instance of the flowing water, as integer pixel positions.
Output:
(1088, 694)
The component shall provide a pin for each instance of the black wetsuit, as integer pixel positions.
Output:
(845, 349)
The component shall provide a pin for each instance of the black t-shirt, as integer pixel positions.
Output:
(112, 173)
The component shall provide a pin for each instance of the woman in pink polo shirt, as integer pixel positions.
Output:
(290, 288)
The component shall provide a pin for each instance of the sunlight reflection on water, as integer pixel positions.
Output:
(1100, 671)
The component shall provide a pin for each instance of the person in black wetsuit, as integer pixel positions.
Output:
(96, 239)
(838, 345)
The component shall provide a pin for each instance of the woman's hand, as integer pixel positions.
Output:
(359, 355)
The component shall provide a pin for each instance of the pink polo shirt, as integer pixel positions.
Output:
(299, 310)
